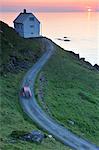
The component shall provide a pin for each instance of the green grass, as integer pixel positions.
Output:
(14, 45)
(71, 94)
(12, 117)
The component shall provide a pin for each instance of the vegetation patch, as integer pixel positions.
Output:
(86, 97)
(15, 50)
(12, 118)
(72, 93)
(17, 53)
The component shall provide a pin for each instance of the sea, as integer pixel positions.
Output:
(81, 28)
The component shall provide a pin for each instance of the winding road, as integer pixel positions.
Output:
(34, 111)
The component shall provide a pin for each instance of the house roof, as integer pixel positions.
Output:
(22, 17)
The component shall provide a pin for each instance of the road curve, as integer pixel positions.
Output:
(34, 111)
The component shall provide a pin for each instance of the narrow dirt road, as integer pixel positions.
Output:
(33, 110)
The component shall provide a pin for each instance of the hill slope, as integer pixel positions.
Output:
(14, 51)
(68, 89)
(17, 52)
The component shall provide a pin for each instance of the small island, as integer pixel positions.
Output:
(65, 39)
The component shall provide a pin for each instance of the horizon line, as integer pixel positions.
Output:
(42, 11)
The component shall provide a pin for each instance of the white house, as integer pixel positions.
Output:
(27, 25)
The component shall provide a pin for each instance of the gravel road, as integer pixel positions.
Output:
(34, 111)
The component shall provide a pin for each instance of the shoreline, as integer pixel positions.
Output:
(77, 56)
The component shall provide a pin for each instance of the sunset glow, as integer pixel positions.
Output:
(50, 5)
(89, 9)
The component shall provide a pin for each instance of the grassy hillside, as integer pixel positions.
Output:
(67, 88)
(15, 50)
(12, 118)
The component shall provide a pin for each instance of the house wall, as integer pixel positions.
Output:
(31, 27)
(19, 28)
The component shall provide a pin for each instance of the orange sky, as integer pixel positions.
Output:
(50, 5)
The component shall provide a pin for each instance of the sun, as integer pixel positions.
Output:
(89, 9)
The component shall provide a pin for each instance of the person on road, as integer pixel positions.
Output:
(26, 92)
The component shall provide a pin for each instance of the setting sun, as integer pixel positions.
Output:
(89, 9)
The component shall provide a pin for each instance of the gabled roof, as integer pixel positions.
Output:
(22, 17)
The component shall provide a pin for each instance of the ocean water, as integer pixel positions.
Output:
(82, 29)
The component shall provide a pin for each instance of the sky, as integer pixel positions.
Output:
(49, 5)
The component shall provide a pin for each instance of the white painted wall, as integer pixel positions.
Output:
(31, 27)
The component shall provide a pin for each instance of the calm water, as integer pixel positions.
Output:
(81, 28)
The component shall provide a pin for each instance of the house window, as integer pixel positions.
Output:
(18, 25)
(32, 26)
(31, 18)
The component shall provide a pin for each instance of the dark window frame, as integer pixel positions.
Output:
(31, 19)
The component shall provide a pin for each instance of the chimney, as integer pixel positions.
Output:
(24, 11)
